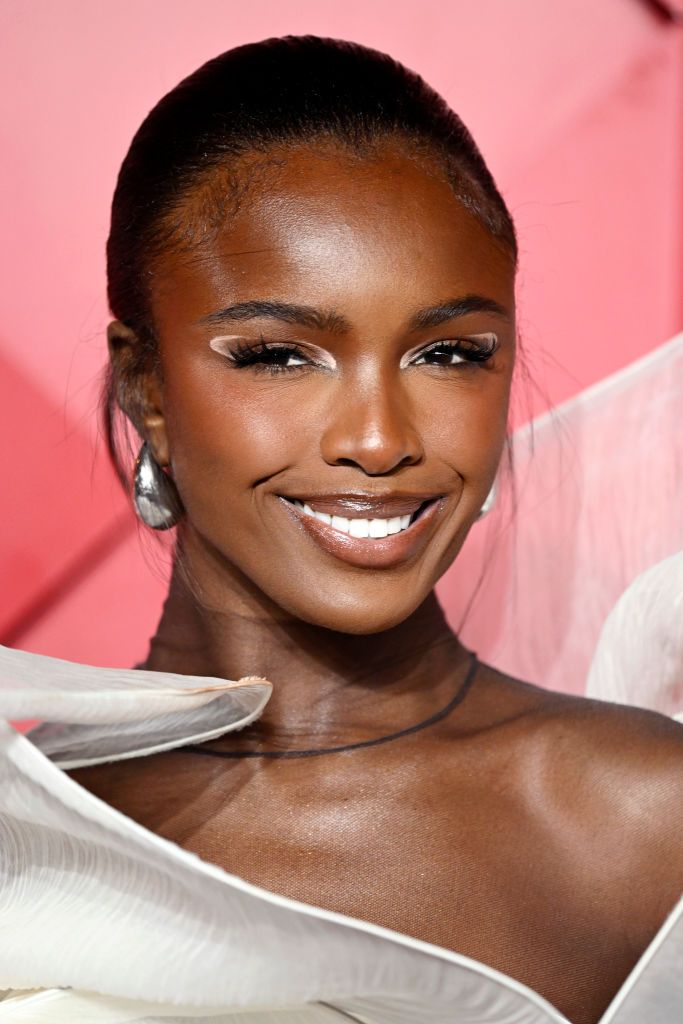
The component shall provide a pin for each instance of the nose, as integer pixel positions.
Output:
(372, 426)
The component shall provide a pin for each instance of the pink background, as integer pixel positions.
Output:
(578, 108)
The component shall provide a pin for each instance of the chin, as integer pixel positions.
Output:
(357, 617)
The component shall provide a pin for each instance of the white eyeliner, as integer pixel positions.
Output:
(216, 345)
(422, 349)
(221, 344)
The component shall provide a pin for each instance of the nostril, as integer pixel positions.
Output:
(351, 441)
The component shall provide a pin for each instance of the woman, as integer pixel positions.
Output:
(313, 277)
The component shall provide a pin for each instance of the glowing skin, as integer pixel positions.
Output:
(370, 406)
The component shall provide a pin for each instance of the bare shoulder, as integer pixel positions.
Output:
(609, 776)
(580, 732)
(600, 786)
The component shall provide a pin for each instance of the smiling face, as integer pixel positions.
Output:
(336, 363)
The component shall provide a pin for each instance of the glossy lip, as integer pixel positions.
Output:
(367, 552)
(359, 505)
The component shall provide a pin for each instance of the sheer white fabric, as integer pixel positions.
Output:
(639, 658)
(108, 714)
(600, 500)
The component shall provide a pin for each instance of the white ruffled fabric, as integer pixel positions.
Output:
(639, 658)
(121, 925)
(113, 924)
(108, 714)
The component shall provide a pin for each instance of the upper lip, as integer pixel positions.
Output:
(355, 504)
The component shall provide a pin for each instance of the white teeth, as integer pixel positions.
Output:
(376, 528)
(358, 527)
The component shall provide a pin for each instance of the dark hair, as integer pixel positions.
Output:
(286, 91)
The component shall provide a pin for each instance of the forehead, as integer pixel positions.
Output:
(323, 226)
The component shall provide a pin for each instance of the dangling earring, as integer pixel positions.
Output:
(489, 503)
(155, 496)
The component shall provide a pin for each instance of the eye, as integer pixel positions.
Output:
(281, 357)
(262, 356)
(477, 348)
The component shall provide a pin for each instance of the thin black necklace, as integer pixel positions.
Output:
(459, 696)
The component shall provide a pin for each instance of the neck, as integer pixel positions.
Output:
(328, 687)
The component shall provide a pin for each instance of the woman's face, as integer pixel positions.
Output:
(336, 363)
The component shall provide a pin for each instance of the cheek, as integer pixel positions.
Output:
(230, 431)
(464, 425)
(227, 433)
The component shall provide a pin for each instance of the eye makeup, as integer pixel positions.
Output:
(273, 356)
(473, 348)
(276, 357)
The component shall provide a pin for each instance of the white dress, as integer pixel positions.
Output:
(111, 923)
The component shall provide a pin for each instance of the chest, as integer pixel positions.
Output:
(466, 864)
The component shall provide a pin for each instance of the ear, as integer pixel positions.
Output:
(138, 387)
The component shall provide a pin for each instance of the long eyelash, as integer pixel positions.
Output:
(244, 354)
(469, 349)
(255, 355)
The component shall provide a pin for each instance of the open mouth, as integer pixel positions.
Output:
(363, 528)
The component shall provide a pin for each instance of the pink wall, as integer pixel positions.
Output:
(577, 108)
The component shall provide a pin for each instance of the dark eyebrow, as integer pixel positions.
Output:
(308, 316)
(453, 308)
(305, 316)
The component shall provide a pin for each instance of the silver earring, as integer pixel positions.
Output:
(156, 498)
(489, 503)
